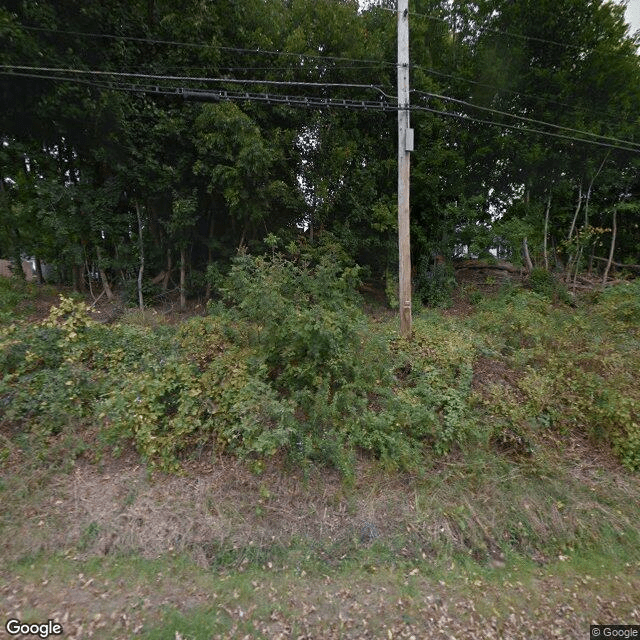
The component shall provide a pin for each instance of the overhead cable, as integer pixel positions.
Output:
(525, 118)
(159, 77)
(522, 94)
(314, 102)
(221, 94)
(366, 62)
(149, 76)
(198, 45)
(510, 34)
(522, 129)
(304, 101)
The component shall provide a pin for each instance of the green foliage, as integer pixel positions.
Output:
(546, 284)
(159, 408)
(48, 400)
(13, 292)
(575, 371)
(436, 377)
(622, 303)
(78, 161)
(53, 374)
(434, 283)
(391, 288)
(288, 364)
(150, 292)
(310, 346)
(308, 326)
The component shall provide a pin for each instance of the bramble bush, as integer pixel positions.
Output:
(546, 284)
(309, 344)
(53, 374)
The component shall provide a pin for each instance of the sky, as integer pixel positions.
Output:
(633, 14)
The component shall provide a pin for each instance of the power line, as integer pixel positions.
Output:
(510, 34)
(311, 102)
(522, 129)
(269, 68)
(367, 64)
(221, 94)
(544, 98)
(212, 45)
(300, 101)
(148, 76)
(524, 118)
(165, 78)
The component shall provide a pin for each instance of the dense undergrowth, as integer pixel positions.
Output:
(286, 362)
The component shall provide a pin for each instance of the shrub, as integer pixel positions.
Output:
(545, 283)
(159, 408)
(309, 341)
(621, 303)
(434, 283)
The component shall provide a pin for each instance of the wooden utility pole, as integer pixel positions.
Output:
(405, 145)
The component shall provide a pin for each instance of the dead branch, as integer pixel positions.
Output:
(633, 267)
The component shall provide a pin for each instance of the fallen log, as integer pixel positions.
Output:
(485, 264)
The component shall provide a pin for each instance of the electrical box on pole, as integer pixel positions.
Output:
(405, 146)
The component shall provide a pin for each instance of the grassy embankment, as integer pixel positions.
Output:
(502, 502)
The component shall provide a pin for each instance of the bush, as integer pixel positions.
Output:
(434, 283)
(621, 303)
(544, 283)
(288, 363)
(150, 292)
(308, 341)
(159, 408)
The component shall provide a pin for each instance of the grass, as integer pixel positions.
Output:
(370, 593)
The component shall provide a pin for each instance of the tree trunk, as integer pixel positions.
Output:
(611, 250)
(76, 272)
(16, 262)
(167, 275)
(88, 271)
(103, 276)
(16, 266)
(593, 253)
(578, 258)
(241, 246)
(183, 268)
(575, 215)
(207, 293)
(556, 259)
(586, 204)
(39, 273)
(546, 230)
(141, 245)
(525, 254)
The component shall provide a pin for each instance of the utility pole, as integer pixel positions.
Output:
(405, 146)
